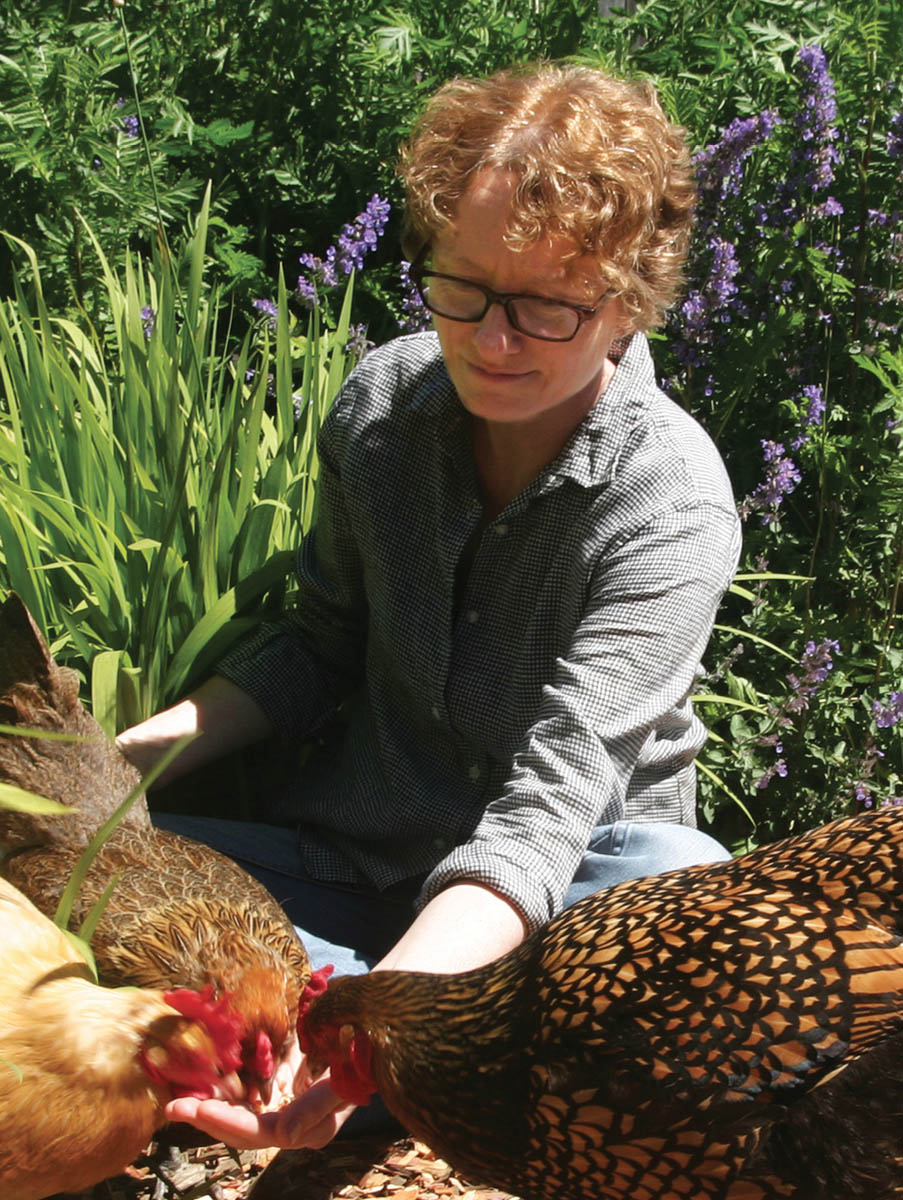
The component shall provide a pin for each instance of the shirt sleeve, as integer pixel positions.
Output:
(623, 684)
(302, 665)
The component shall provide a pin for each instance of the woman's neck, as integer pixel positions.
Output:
(509, 455)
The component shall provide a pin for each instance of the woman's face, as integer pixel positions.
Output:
(502, 375)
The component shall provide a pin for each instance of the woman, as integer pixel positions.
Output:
(520, 549)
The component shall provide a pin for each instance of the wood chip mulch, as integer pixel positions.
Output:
(370, 1168)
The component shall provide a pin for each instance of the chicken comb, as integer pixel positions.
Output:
(263, 1061)
(353, 1080)
(316, 986)
(224, 1024)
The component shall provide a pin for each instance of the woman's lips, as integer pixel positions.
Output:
(495, 373)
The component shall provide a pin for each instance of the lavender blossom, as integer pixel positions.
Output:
(814, 412)
(352, 246)
(417, 316)
(815, 121)
(131, 126)
(148, 319)
(268, 309)
(812, 670)
(719, 167)
(358, 344)
(868, 762)
(815, 662)
(777, 768)
(781, 477)
(357, 240)
(714, 304)
(887, 715)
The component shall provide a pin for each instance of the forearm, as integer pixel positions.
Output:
(464, 926)
(224, 717)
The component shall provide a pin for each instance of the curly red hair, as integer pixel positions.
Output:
(596, 160)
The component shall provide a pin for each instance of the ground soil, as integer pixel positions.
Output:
(350, 1169)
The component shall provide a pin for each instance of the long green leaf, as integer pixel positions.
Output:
(63, 912)
(19, 800)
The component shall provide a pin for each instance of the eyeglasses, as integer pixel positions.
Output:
(536, 316)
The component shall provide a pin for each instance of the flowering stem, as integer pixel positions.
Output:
(822, 478)
(894, 602)
(863, 171)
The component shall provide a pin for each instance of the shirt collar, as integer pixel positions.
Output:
(590, 454)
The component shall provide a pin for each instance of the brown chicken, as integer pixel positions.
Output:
(181, 915)
(84, 1070)
(730, 1031)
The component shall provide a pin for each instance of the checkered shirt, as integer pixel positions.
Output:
(511, 688)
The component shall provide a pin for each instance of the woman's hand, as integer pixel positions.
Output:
(310, 1121)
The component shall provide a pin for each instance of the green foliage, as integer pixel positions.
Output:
(144, 482)
(805, 303)
(155, 470)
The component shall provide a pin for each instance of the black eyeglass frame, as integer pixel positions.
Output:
(583, 312)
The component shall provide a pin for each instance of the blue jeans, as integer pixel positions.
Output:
(353, 927)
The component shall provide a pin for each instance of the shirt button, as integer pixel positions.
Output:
(437, 714)
(439, 843)
(473, 616)
(501, 529)
(474, 771)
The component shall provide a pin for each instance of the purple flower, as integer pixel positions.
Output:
(417, 316)
(814, 412)
(831, 208)
(814, 665)
(781, 477)
(131, 126)
(148, 319)
(777, 768)
(710, 306)
(815, 121)
(357, 240)
(719, 167)
(890, 713)
(358, 344)
(817, 660)
(268, 309)
(352, 246)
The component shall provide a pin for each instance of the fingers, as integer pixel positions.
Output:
(230, 1123)
(313, 1120)
(310, 1121)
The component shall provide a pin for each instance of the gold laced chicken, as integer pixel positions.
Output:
(84, 1070)
(732, 1031)
(180, 915)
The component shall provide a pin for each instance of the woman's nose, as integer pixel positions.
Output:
(495, 332)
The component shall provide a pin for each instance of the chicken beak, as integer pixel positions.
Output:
(230, 1087)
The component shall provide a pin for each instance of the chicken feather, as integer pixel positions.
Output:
(85, 1071)
(181, 915)
(731, 1031)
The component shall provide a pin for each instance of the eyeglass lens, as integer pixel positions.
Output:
(461, 300)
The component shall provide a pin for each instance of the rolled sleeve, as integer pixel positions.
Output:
(625, 680)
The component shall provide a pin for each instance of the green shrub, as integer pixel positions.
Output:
(155, 470)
